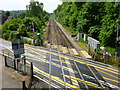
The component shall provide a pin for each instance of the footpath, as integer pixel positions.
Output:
(9, 78)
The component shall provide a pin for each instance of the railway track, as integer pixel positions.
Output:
(84, 72)
(60, 39)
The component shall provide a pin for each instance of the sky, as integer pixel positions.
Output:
(49, 5)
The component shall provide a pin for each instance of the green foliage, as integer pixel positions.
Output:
(97, 19)
(13, 36)
(22, 15)
(94, 31)
(109, 25)
(11, 24)
(24, 22)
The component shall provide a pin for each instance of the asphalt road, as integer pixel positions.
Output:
(73, 79)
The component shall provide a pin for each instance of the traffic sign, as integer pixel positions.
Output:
(19, 51)
(17, 45)
(18, 48)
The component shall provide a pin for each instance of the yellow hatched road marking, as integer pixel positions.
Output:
(83, 63)
(98, 67)
(111, 79)
(80, 80)
(104, 69)
(38, 53)
(54, 77)
(74, 81)
(108, 74)
(62, 61)
(9, 49)
(80, 62)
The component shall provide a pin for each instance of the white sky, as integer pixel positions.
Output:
(49, 5)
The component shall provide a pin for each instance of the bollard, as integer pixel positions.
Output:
(6, 61)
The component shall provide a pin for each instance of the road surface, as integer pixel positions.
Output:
(41, 60)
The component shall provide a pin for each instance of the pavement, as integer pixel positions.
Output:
(9, 78)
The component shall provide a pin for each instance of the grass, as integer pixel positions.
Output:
(83, 44)
(69, 30)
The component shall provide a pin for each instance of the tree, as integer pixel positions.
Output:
(109, 24)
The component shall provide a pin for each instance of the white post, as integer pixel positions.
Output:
(78, 36)
(115, 56)
(85, 37)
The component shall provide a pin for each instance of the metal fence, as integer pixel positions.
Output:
(21, 66)
(108, 59)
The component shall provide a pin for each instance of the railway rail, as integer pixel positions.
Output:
(60, 39)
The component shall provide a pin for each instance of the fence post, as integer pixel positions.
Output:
(31, 75)
(3, 53)
(24, 65)
(6, 61)
(24, 85)
(95, 54)
(17, 64)
(14, 64)
(8, 55)
(88, 48)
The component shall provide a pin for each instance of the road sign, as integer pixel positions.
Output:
(19, 51)
(17, 45)
(18, 48)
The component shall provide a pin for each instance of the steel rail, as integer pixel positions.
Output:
(94, 75)
(60, 58)
(89, 69)
(77, 67)
(96, 63)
